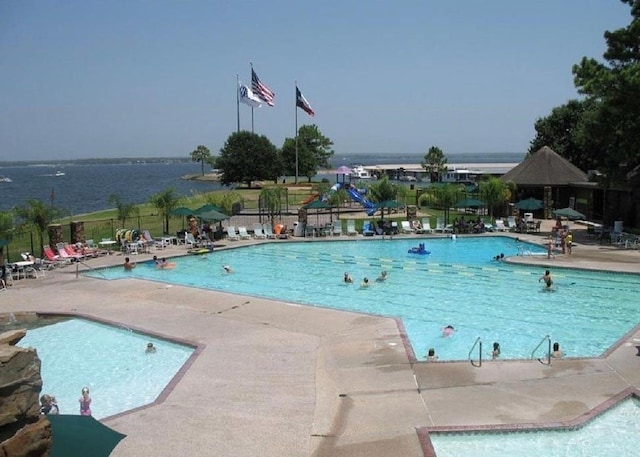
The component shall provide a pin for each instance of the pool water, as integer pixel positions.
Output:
(111, 361)
(615, 433)
(459, 283)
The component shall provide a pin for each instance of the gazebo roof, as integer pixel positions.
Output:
(545, 168)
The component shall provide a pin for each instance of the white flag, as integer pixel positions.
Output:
(247, 96)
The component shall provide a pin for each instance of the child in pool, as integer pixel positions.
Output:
(85, 402)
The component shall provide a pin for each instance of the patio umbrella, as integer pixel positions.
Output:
(344, 171)
(317, 205)
(182, 211)
(530, 204)
(469, 203)
(213, 216)
(81, 436)
(388, 204)
(208, 207)
(569, 213)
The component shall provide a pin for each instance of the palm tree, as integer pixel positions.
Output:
(125, 210)
(35, 213)
(271, 201)
(202, 155)
(435, 163)
(165, 201)
(495, 192)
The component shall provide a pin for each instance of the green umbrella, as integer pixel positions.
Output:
(317, 205)
(569, 213)
(81, 436)
(530, 204)
(469, 203)
(388, 204)
(213, 216)
(182, 211)
(207, 208)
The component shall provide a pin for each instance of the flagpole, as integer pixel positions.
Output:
(251, 65)
(295, 108)
(238, 100)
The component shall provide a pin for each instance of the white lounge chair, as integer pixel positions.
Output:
(232, 234)
(368, 229)
(440, 227)
(337, 228)
(268, 231)
(351, 228)
(405, 227)
(243, 234)
(426, 225)
(500, 227)
(258, 233)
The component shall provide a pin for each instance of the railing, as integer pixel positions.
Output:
(478, 343)
(88, 267)
(548, 362)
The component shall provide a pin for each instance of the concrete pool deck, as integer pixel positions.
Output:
(275, 378)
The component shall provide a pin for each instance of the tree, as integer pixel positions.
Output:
(314, 152)
(271, 201)
(35, 213)
(435, 163)
(248, 157)
(615, 85)
(6, 225)
(495, 192)
(165, 201)
(202, 155)
(125, 210)
(442, 196)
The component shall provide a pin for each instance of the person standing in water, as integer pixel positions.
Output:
(85, 402)
(546, 277)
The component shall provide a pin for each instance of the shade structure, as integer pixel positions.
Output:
(317, 205)
(569, 213)
(530, 204)
(182, 211)
(213, 216)
(81, 436)
(469, 203)
(388, 204)
(344, 170)
(206, 208)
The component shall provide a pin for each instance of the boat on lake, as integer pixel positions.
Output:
(360, 172)
(59, 173)
(5, 179)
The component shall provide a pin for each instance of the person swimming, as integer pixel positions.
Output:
(382, 277)
(227, 268)
(546, 277)
(347, 277)
(365, 282)
(495, 353)
(448, 331)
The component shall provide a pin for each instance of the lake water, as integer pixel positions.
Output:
(86, 188)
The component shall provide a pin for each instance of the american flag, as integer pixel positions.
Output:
(262, 91)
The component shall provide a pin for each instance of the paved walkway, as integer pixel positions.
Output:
(275, 378)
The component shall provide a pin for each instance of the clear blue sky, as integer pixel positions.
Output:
(156, 78)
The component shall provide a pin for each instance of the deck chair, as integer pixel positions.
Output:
(368, 229)
(243, 234)
(232, 234)
(268, 231)
(64, 254)
(511, 224)
(190, 241)
(405, 227)
(55, 258)
(500, 227)
(351, 228)
(337, 228)
(426, 225)
(258, 232)
(440, 227)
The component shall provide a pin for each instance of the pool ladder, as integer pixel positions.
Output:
(548, 361)
(478, 343)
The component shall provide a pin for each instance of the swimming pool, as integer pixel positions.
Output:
(111, 361)
(615, 433)
(459, 283)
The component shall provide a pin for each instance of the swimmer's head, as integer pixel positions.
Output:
(85, 391)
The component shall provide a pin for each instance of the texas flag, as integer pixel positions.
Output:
(302, 102)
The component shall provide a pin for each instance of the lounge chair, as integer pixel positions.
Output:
(500, 227)
(258, 233)
(337, 228)
(232, 234)
(54, 258)
(190, 241)
(426, 225)
(405, 227)
(351, 228)
(65, 254)
(368, 229)
(511, 224)
(243, 234)
(268, 231)
(441, 227)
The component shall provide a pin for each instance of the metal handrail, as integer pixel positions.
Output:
(89, 267)
(546, 338)
(478, 343)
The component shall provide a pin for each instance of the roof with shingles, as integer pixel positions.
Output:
(545, 168)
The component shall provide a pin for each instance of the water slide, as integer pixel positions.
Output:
(357, 197)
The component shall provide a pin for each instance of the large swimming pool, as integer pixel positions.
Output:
(459, 284)
(111, 361)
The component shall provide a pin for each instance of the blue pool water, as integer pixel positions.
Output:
(616, 433)
(110, 361)
(459, 283)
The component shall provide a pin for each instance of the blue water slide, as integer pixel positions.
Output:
(358, 197)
